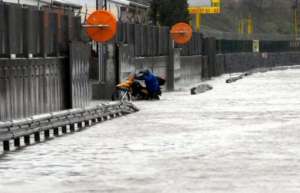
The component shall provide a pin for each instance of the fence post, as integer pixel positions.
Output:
(45, 32)
(8, 98)
(29, 32)
(210, 52)
(13, 30)
(2, 95)
(3, 30)
(173, 73)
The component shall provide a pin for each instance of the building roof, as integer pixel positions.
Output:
(133, 3)
(66, 3)
(145, 2)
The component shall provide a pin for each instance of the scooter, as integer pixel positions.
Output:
(132, 89)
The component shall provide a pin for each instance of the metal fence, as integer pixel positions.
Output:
(80, 93)
(147, 40)
(193, 47)
(279, 46)
(208, 32)
(34, 59)
(151, 41)
(27, 31)
(233, 46)
(31, 86)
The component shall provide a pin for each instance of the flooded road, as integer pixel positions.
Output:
(242, 137)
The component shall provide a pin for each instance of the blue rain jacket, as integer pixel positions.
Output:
(151, 82)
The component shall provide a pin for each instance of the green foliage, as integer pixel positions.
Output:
(169, 12)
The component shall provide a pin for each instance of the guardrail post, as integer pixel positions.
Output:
(27, 140)
(94, 121)
(81, 125)
(64, 129)
(8, 145)
(56, 132)
(87, 123)
(47, 134)
(17, 142)
(37, 137)
(73, 127)
(99, 119)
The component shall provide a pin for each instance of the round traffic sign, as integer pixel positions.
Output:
(101, 26)
(181, 33)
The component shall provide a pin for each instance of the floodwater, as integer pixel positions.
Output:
(242, 137)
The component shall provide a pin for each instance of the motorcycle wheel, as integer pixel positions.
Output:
(121, 95)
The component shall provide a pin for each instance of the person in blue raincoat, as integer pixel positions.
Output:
(152, 83)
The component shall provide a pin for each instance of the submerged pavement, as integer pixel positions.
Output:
(240, 137)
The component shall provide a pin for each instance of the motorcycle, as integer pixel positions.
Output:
(133, 89)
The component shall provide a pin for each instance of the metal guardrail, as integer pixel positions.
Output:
(19, 133)
(208, 32)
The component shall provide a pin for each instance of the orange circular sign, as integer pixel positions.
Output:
(181, 33)
(101, 26)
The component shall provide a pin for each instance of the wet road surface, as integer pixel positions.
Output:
(242, 137)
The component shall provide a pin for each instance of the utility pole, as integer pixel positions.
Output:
(295, 22)
(100, 4)
(241, 26)
(250, 25)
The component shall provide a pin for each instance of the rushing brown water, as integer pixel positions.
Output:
(243, 137)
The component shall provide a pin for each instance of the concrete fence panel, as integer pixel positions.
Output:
(190, 70)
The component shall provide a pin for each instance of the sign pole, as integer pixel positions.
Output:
(101, 50)
(198, 22)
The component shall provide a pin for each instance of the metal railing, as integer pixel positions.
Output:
(55, 124)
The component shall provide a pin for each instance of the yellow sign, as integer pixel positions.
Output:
(216, 3)
(215, 8)
(204, 10)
